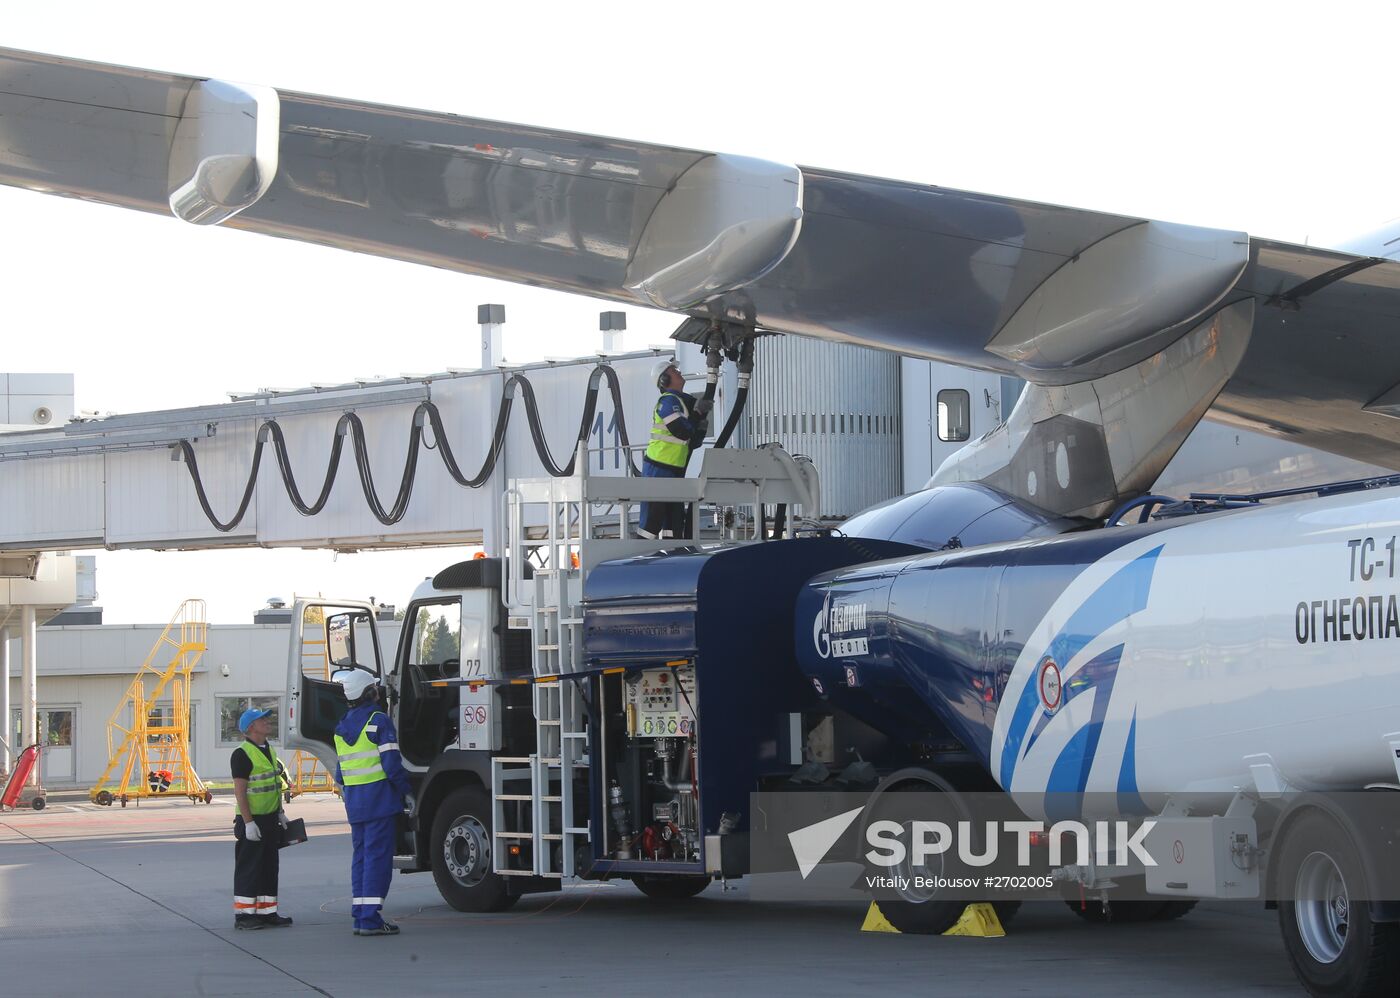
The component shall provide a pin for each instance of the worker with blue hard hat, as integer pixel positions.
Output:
(375, 789)
(259, 780)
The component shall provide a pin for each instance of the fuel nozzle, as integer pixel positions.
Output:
(745, 362)
(714, 357)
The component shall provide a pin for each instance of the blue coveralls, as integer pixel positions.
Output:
(373, 810)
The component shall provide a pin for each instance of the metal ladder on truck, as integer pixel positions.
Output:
(535, 798)
(540, 789)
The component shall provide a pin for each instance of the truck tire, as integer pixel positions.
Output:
(1121, 912)
(671, 888)
(916, 910)
(933, 918)
(1133, 912)
(460, 846)
(1174, 910)
(1333, 945)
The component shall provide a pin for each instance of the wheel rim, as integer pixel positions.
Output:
(467, 851)
(1322, 907)
(908, 873)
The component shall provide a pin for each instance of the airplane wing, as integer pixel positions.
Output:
(1055, 295)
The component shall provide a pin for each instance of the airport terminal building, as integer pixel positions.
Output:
(86, 668)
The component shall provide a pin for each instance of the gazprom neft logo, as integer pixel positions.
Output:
(832, 630)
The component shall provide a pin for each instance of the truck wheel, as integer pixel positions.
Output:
(671, 888)
(1173, 910)
(915, 908)
(1133, 912)
(933, 918)
(1333, 945)
(918, 909)
(1120, 912)
(461, 852)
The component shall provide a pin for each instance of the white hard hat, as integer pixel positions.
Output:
(355, 682)
(660, 369)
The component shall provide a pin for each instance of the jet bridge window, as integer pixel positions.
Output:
(954, 415)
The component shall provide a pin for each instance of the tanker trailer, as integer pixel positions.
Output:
(1229, 679)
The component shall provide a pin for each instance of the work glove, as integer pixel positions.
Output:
(703, 407)
(407, 803)
(282, 818)
(251, 831)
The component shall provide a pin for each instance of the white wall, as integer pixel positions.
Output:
(89, 669)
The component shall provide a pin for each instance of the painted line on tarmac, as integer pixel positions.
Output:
(165, 907)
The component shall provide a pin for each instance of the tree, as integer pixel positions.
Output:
(440, 643)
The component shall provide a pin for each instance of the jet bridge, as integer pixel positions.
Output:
(415, 460)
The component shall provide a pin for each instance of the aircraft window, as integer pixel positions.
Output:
(954, 415)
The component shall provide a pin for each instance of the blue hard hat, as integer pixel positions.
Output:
(249, 716)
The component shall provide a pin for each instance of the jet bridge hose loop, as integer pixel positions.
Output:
(427, 412)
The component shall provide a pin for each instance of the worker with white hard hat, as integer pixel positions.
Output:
(678, 426)
(259, 780)
(375, 788)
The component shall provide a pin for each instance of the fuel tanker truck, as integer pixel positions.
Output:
(1220, 679)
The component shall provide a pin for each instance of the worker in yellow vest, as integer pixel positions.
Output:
(259, 779)
(375, 789)
(678, 426)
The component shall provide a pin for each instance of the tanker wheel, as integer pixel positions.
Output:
(1333, 945)
(37, 803)
(671, 888)
(1120, 912)
(460, 847)
(1131, 912)
(918, 906)
(103, 798)
(1174, 910)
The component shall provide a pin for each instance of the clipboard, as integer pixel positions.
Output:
(294, 833)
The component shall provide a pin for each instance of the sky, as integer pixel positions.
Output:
(1274, 118)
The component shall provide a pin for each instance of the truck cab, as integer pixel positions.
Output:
(446, 669)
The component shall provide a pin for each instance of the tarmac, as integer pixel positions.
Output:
(99, 901)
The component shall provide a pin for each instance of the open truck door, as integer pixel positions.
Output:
(327, 636)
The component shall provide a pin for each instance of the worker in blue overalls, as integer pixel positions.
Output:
(375, 789)
(678, 426)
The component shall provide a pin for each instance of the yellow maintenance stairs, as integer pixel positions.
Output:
(148, 735)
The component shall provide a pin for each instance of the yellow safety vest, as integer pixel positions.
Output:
(664, 448)
(359, 763)
(265, 782)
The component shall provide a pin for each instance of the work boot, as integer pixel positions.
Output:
(275, 921)
(248, 922)
(385, 928)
